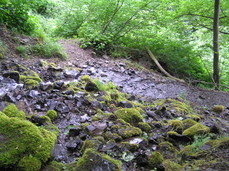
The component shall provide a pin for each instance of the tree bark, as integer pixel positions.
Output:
(216, 44)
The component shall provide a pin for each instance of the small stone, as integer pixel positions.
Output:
(90, 128)
(90, 86)
(13, 75)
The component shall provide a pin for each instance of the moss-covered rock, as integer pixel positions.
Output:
(93, 160)
(21, 138)
(176, 125)
(188, 123)
(12, 111)
(130, 131)
(92, 144)
(31, 79)
(218, 108)
(55, 166)
(171, 166)
(130, 115)
(29, 163)
(155, 159)
(52, 114)
(197, 129)
(144, 126)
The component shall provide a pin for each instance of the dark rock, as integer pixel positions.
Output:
(90, 86)
(214, 128)
(38, 120)
(69, 92)
(45, 86)
(9, 98)
(74, 144)
(74, 131)
(58, 85)
(142, 160)
(71, 73)
(94, 161)
(90, 128)
(13, 75)
(59, 153)
(62, 108)
(125, 104)
(110, 145)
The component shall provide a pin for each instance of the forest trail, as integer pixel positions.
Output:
(137, 81)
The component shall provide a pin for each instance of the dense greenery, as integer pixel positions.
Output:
(178, 32)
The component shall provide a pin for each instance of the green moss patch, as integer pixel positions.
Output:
(197, 129)
(52, 114)
(21, 139)
(155, 159)
(12, 111)
(130, 115)
(92, 159)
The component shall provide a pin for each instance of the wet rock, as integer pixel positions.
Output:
(74, 144)
(45, 86)
(62, 108)
(214, 128)
(59, 153)
(90, 128)
(125, 104)
(58, 85)
(33, 93)
(85, 118)
(13, 75)
(109, 145)
(90, 86)
(71, 73)
(9, 98)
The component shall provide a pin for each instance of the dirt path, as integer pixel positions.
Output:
(139, 82)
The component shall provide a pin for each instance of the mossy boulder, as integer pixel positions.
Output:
(92, 144)
(197, 129)
(31, 79)
(176, 125)
(155, 159)
(52, 114)
(93, 160)
(29, 163)
(218, 108)
(130, 115)
(188, 123)
(144, 126)
(171, 166)
(12, 111)
(20, 139)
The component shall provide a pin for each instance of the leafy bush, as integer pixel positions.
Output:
(48, 50)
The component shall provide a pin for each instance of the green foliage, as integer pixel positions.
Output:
(49, 49)
(3, 49)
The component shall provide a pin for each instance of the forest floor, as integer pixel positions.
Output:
(138, 81)
(80, 121)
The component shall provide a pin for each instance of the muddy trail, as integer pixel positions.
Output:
(148, 85)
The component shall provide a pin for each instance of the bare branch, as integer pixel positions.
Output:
(198, 15)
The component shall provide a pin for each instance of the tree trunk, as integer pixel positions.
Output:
(216, 44)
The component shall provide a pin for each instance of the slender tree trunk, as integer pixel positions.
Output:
(216, 44)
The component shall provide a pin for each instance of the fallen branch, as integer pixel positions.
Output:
(161, 68)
